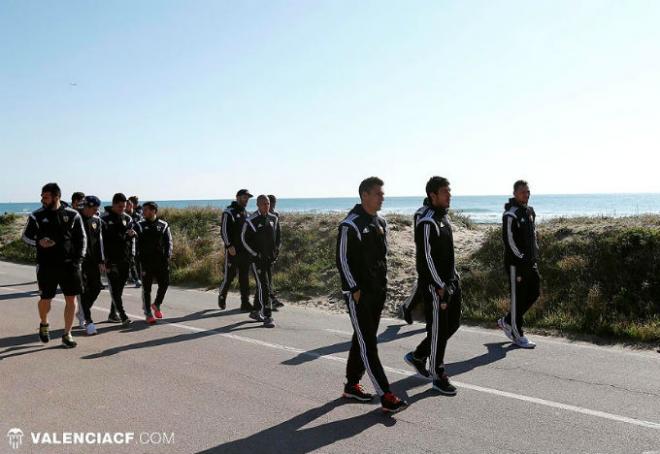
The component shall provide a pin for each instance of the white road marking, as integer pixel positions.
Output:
(482, 389)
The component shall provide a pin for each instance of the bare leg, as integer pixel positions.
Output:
(44, 309)
(69, 313)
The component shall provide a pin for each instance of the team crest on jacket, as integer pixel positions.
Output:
(94, 225)
(366, 230)
(159, 228)
(66, 218)
(124, 222)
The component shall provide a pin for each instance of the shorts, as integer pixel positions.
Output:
(67, 276)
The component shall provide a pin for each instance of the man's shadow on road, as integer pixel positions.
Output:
(207, 313)
(289, 437)
(391, 333)
(103, 327)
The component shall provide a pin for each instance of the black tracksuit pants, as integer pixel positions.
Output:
(262, 301)
(159, 272)
(441, 324)
(363, 355)
(270, 282)
(91, 279)
(117, 275)
(523, 295)
(237, 264)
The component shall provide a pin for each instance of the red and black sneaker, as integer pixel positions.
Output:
(157, 311)
(356, 392)
(392, 404)
(151, 320)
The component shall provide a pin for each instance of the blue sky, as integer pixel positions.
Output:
(192, 100)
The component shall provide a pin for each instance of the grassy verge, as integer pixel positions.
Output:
(600, 276)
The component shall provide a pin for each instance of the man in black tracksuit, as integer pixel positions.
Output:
(361, 258)
(439, 281)
(119, 248)
(521, 254)
(261, 239)
(58, 233)
(94, 262)
(134, 271)
(237, 258)
(276, 302)
(154, 252)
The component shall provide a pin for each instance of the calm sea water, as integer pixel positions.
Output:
(482, 209)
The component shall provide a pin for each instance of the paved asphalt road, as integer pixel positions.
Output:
(219, 383)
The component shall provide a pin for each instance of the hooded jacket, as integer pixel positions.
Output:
(233, 218)
(519, 235)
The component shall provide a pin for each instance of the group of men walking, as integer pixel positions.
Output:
(76, 245)
(252, 244)
(362, 263)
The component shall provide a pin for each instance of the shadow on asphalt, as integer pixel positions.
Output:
(207, 313)
(13, 296)
(19, 284)
(289, 437)
(391, 333)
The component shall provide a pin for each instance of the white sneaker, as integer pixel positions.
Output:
(504, 326)
(91, 329)
(81, 319)
(523, 342)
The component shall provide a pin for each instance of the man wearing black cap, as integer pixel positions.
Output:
(154, 253)
(58, 234)
(119, 247)
(93, 264)
(236, 257)
(77, 200)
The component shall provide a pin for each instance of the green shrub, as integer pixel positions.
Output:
(595, 280)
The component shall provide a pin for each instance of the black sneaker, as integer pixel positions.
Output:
(418, 364)
(222, 302)
(443, 386)
(44, 334)
(277, 303)
(392, 404)
(356, 392)
(269, 323)
(126, 322)
(68, 342)
(114, 318)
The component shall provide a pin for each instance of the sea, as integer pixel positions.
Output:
(481, 209)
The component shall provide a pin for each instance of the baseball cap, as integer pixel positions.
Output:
(92, 201)
(244, 192)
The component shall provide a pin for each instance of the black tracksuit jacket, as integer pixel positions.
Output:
(154, 242)
(434, 244)
(65, 227)
(261, 237)
(119, 247)
(233, 218)
(94, 231)
(519, 235)
(361, 254)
